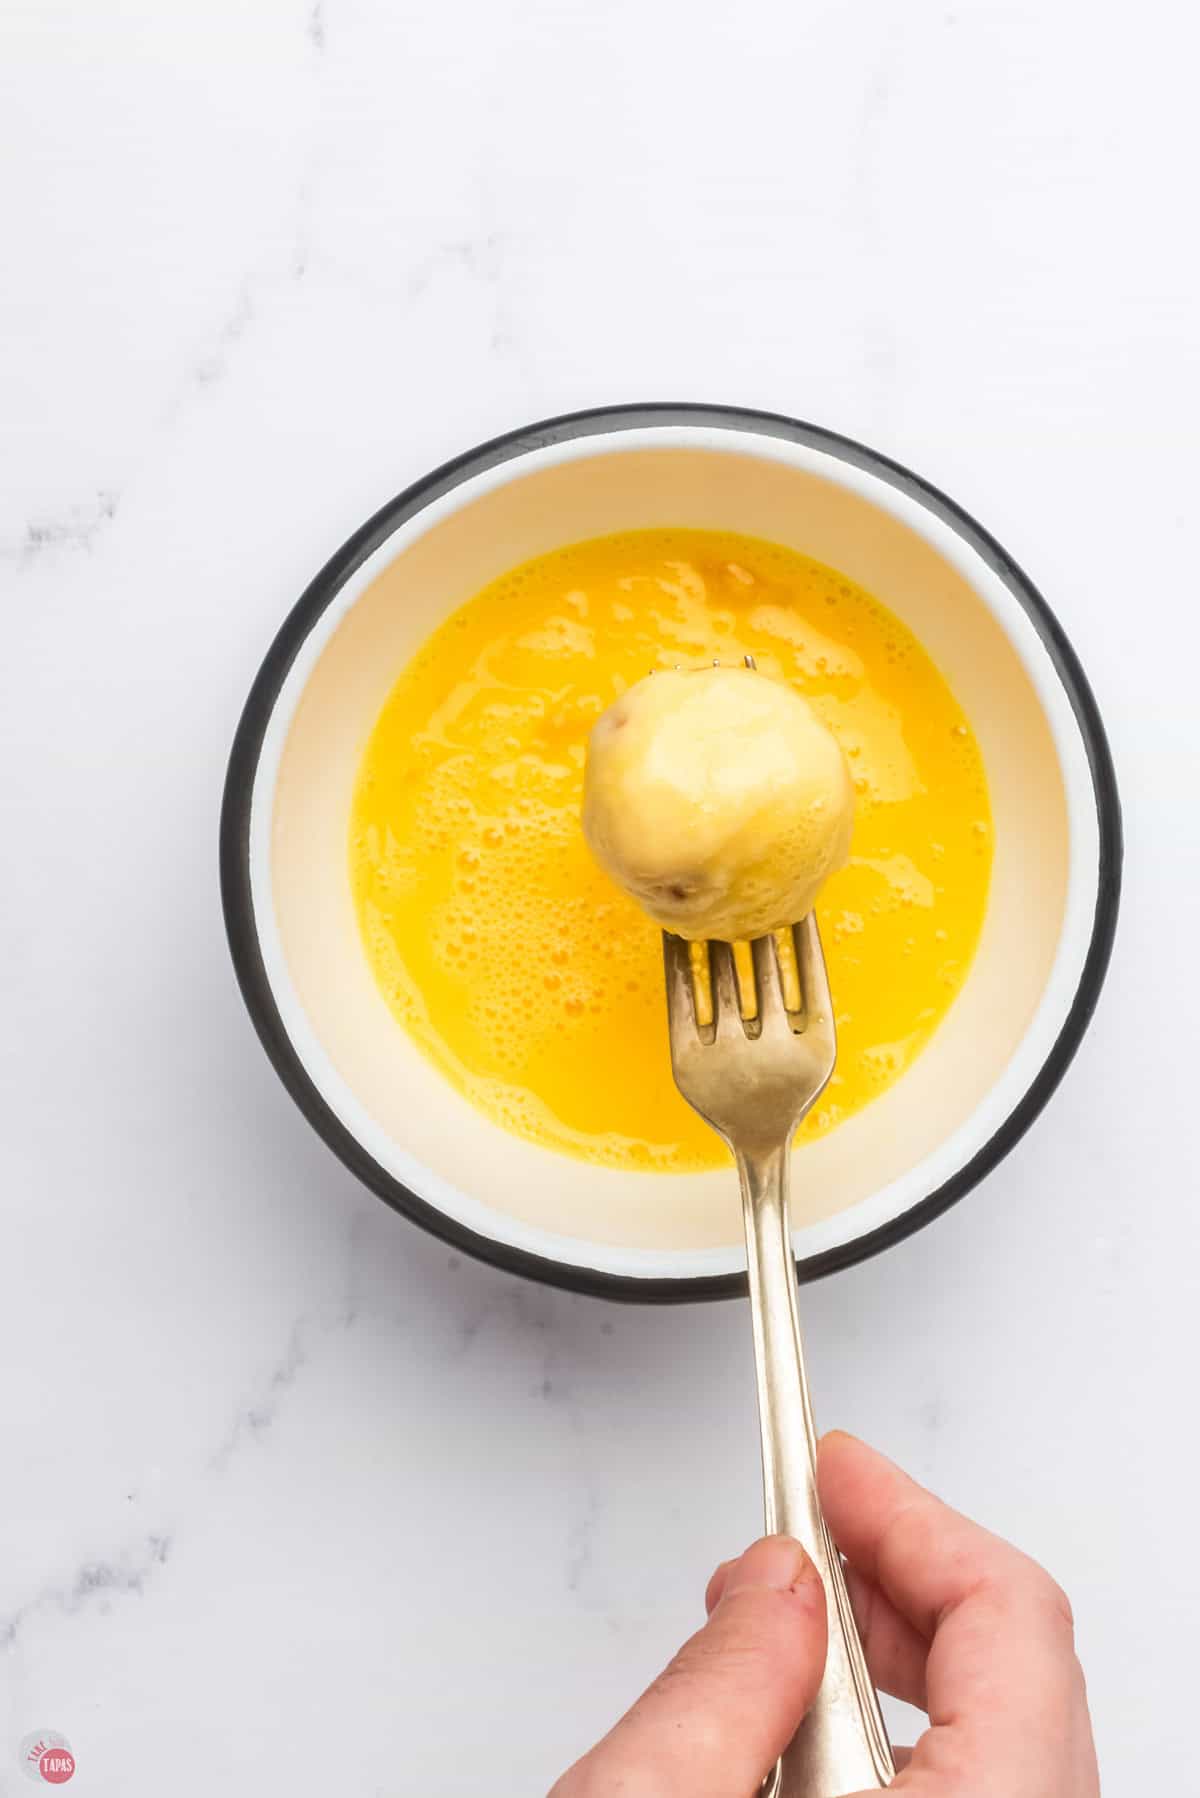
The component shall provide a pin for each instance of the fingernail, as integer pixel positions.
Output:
(776, 1562)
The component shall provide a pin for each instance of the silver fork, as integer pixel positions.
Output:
(753, 1081)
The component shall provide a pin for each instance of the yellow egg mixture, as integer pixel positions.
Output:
(521, 971)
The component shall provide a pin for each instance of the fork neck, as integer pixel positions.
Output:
(763, 1172)
(785, 1407)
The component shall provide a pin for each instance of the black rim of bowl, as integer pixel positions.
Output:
(247, 745)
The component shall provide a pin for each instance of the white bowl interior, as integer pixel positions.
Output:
(1002, 1023)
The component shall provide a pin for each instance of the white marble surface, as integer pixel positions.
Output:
(294, 1500)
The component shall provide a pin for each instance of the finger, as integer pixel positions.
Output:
(716, 1585)
(1004, 1689)
(719, 1717)
(926, 1558)
(895, 1651)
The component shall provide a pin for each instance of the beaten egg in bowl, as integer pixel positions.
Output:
(522, 972)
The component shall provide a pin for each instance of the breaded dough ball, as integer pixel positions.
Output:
(718, 800)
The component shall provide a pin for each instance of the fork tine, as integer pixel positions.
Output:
(772, 1000)
(814, 977)
(726, 1000)
(681, 1007)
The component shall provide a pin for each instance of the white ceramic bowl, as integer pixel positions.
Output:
(392, 1117)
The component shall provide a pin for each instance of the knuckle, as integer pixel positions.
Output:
(742, 1644)
(1027, 1589)
(579, 1781)
(733, 1651)
(949, 1761)
(1062, 1603)
(1049, 1595)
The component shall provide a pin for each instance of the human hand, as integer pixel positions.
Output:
(953, 1619)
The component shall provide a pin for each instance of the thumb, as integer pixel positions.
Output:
(715, 1722)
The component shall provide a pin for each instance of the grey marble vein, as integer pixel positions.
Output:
(75, 527)
(253, 290)
(256, 1415)
(96, 1581)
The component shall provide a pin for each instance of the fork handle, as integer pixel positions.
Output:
(841, 1746)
